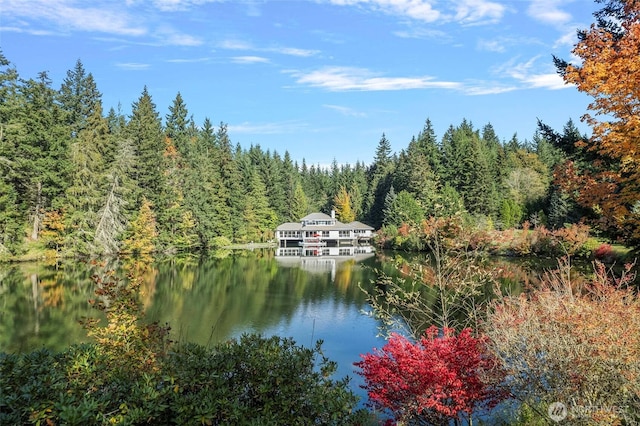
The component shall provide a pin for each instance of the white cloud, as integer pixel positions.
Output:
(478, 12)
(132, 66)
(421, 10)
(551, 81)
(349, 112)
(569, 38)
(249, 60)
(66, 16)
(492, 45)
(338, 79)
(292, 51)
(423, 33)
(487, 88)
(233, 44)
(467, 12)
(188, 60)
(530, 77)
(548, 12)
(169, 36)
(179, 5)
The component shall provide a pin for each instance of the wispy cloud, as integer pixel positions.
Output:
(189, 60)
(528, 75)
(495, 45)
(415, 9)
(551, 81)
(234, 44)
(487, 88)
(349, 112)
(338, 79)
(423, 33)
(65, 16)
(467, 12)
(475, 12)
(170, 36)
(502, 44)
(267, 128)
(548, 12)
(249, 60)
(292, 51)
(178, 5)
(132, 66)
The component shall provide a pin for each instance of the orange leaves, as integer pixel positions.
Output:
(610, 73)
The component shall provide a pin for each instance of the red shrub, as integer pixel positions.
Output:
(437, 378)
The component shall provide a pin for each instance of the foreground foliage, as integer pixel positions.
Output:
(439, 378)
(575, 341)
(253, 380)
(133, 374)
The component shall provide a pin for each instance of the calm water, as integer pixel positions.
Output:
(210, 300)
(205, 301)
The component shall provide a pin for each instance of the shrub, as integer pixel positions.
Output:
(572, 341)
(604, 253)
(441, 377)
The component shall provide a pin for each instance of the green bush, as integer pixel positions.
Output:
(253, 380)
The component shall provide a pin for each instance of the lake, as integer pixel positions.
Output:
(213, 299)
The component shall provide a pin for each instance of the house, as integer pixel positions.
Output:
(321, 230)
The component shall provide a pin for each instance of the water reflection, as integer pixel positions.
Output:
(322, 259)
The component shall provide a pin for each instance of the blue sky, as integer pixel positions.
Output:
(322, 79)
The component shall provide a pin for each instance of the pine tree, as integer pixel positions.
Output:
(299, 203)
(39, 142)
(79, 96)
(113, 214)
(380, 181)
(85, 194)
(145, 131)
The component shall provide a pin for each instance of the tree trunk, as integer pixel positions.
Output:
(36, 213)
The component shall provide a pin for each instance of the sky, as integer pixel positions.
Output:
(320, 79)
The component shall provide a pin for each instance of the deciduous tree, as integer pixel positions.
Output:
(608, 72)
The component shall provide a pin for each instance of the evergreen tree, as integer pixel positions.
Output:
(380, 182)
(39, 142)
(299, 203)
(177, 125)
(112, 215)
(79, 97)
(85, 194)
(259, 218)
(231, 178)
(11, 220)
(145, 131)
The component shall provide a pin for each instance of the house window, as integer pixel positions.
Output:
(344, 234)
(325, 234)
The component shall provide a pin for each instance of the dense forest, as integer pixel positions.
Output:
(78, 181)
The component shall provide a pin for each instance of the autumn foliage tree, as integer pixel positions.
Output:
(609, 72)
(572, 340)
(443, 376)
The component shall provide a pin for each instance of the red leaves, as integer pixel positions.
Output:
(441, 376)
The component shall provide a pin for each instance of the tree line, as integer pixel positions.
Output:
(77, 181)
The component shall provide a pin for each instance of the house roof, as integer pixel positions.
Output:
(289, 226)
(316, 216)
(359, 225)
(337, 226)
